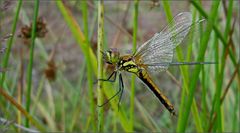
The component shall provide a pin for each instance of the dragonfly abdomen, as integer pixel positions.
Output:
(144, 76)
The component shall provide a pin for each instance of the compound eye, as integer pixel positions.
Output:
(109, 62)
(110, 52)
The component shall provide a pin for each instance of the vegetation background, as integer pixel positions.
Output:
(50, 51)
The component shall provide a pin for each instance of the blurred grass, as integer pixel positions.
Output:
(9, 46)
(89, 64)
(217, 97)
(185, 112)
(10, 42)
(134, 47)
(80, 38)
(22, 110)
(31, 56)
(72, 107)
(78, 34)
(185, 74)
(216, 29)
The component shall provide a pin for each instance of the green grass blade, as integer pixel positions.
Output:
(80, 38)
(30, 65)
(22, 110)
(100, 63)
(217, 31)
(77, 34)
(183, 122)
(10, 41)
(134, 47)
(235, 115)
(89, 64)
(185, 74)
(217, 97)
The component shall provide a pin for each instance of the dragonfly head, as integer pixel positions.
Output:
(112, 56)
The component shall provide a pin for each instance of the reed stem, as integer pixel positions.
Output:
(134, 47)
(31, 56)
(100, 63)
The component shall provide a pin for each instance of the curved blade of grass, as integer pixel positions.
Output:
(22, 110)
(216, 100)
(80, 38)
(89, 64)
(10, 41)
(185, 74)
(182, 123)
(77, 33)
(217, 31)
(30, 65)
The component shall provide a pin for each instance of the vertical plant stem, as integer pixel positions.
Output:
(203, 99)
(85, 19)
(235, 115)
(10, 41)
(135, 27)
(31, 55)
(89, 64)
(80, 38)
(185, 74)
(217, 31)
(217, 105)
(77, 33)
(182, 123)
(20, 86)
(204, 111)
(100, 62)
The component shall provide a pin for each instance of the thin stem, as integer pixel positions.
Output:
(135, 27)
(89, 64)
(223, 97)
(20, 127)
(121, 28)
(100, 63)
(31, 55)
(217, 31)
(10, 42)
(182, 123)
(217, 109)
(20, 85)
(184, 72)
(77, 33)
(21, 109)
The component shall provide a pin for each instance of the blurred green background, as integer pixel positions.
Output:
(49, 76)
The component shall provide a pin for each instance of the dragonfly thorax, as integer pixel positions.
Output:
(128, 64)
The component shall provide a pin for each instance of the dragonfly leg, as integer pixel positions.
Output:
(114, 74)
(119, 91)
(121, 87)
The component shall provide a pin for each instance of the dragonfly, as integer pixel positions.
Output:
(155, 55)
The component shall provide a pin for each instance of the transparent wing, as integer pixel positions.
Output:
(178, 28)
(159, 49)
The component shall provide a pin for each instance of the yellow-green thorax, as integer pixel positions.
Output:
(128, 64)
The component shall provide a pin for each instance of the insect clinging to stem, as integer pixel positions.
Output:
(154, 55)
